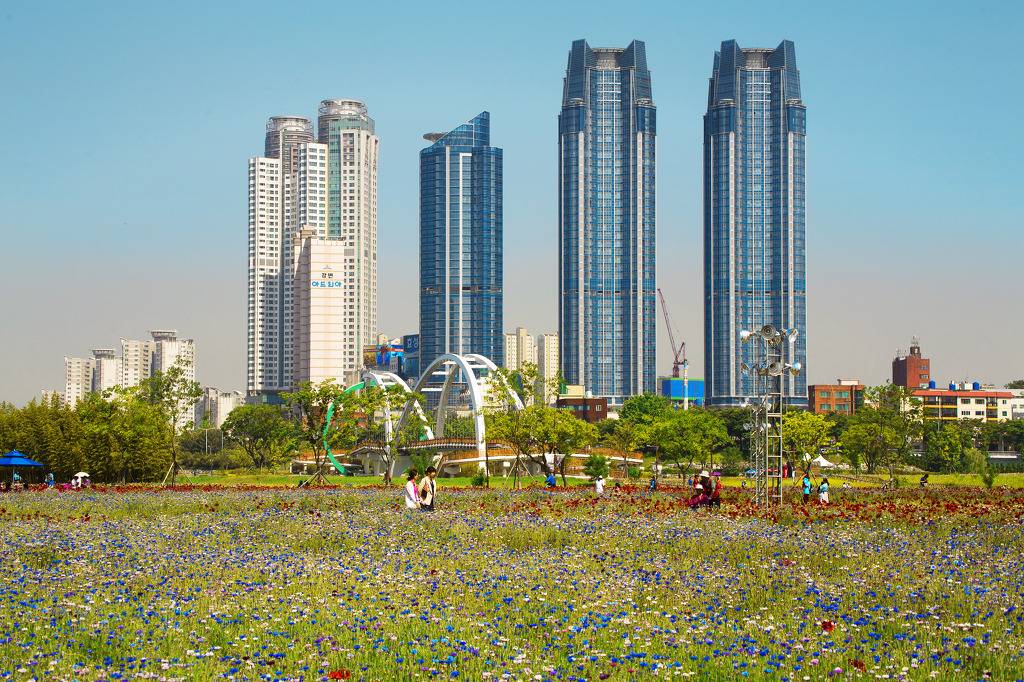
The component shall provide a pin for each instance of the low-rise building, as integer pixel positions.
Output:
(586, 406)
(678, 391)
(960, 402)
(845, 396)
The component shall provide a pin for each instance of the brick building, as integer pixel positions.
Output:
(845, 396)
(911, 370)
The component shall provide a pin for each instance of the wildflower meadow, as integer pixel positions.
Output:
(343, 583)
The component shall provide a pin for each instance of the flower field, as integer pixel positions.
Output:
(257, 583)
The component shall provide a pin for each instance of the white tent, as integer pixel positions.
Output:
(823, 463)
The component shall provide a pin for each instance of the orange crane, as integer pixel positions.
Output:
(678, 353)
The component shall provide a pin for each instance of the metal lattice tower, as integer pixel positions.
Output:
(766, 428)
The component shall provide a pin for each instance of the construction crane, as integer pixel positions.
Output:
(678, 353)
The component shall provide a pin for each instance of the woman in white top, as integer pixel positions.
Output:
(412, 491)
(599, 486)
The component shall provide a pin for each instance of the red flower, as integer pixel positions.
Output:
(859, 664)
(342, 674)
(828, 626)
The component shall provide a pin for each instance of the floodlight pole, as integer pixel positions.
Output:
(766, 436)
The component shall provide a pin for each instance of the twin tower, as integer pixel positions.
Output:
(753, 216)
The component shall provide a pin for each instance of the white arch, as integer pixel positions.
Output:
(450, 365)
(383, 380)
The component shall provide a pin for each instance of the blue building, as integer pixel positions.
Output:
(461, 244)
(673, 389)
(606, 215)
(754, 256)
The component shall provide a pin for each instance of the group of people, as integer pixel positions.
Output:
(707, 491)
(822, 489)
(421, 493)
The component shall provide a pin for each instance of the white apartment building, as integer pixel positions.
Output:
(136, 361)
(216, 405)
(548, 361)
(78, 373)
(520, 348)
(107, 370)
(324, 347)
(327, 188)
(170, 350)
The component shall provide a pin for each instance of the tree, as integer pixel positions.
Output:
(521, 430)
(627, 436)
(564, 434)
(262, 432)
(310, 403)
(1016, 383)
(595, 466)
(803, 433)
(374, 406)
(690, 435)
(884, 431)
(944, 449)
(645, 408)
(174, 395)
(736, 421)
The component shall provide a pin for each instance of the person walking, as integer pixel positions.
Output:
(428, 489)
(412, 493)
(807, 487)
(823, 491)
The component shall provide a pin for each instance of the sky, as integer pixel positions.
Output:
(127, 128)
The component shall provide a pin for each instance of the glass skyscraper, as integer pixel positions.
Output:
(461, 243)
(606, 216)
(754, 255)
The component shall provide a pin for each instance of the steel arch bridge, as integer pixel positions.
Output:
(453, 378)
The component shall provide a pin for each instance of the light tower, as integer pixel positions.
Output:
(766, 428)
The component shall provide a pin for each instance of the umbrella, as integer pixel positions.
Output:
(81, 474)
(18, 459)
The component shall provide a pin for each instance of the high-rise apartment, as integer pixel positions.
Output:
(520, 348)
(329, 188)
(461, 274)
(754, 262)
(353, 149)
(548, 362)
(78, 377)
(273, 215)
(136, 361)
(106, 369)
(606, 218)
(169, 350)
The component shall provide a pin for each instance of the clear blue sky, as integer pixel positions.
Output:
(127, 127)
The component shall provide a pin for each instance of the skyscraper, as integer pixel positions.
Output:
(328, 189)
(606, 218)
(754, 263)
(461, 250)
(353, 148)
(273, 213)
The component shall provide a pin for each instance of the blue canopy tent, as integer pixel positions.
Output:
(18, 459)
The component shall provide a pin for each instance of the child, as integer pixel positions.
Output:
(823, 491)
